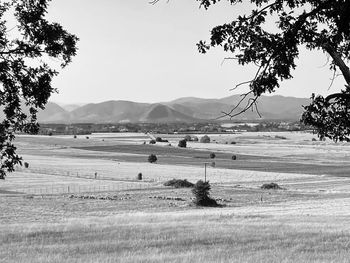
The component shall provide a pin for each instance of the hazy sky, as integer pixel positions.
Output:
(132, 50)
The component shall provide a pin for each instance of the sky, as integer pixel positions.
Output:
(133, 50)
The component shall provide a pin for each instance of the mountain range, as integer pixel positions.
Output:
(188, 109)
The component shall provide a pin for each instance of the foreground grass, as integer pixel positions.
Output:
(176, 237)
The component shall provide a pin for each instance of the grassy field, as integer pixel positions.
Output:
(79, 200)
(190, 235)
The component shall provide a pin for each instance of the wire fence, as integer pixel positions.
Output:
(76, 189)
(98, 175)
(73, 182)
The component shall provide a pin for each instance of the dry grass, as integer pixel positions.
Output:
(176, 237)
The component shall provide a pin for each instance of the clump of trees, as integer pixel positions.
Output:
(152, 142)
(182, 143)
(152, 158)
(205, 139)
(188, 138)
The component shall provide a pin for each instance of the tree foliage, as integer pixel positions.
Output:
(182, 143)
(29, 45)
(315, 24)
(152, 158)
(201, 192)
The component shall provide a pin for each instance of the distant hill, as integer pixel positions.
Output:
(188, 109)
(109, 111)
(53, 113)
(70, 107)
(161, 113)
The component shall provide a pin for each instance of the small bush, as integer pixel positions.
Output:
(234, 157)
(152, 142)
(233, 142)
(26, 165)
(212, 155)
(74, 136)
(314, 139)
(205, 139)
(87, 137)
(178, 183)
(159, 139)
(139, 176)
(152, 158)
(270, 186)
(195, 138)
(188, 138)
(201, 193)
(182, 143)
(280, 137)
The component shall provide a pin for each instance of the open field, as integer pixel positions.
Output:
(79, 200)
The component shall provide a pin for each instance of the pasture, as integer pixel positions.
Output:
(80, 201)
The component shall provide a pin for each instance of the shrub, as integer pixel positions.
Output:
(139, 176)
(159, 139)
(234, 157)
(233, 142)
(182, 143)
(188, 138)
(201, 193)
(87, 137)
(195, 138)
(212, 155)
(152, 142)
(270, 186)
(280, 137)
(74, 136)
(205, 139)
(178, 183)
(152, 158)
(26, 165)
(314, 139)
